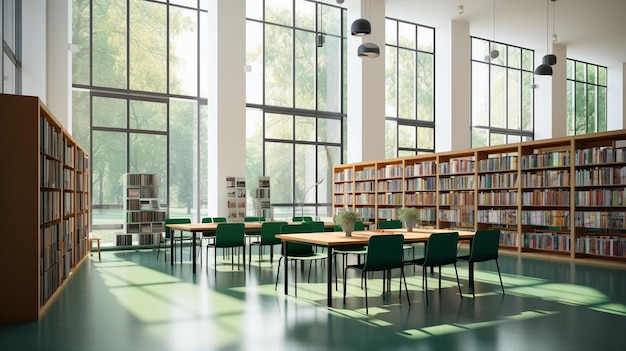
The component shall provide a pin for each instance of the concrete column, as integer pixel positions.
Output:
(59, 64)
(452, 89)
(366, 87)
(227, 98)
(34, 67)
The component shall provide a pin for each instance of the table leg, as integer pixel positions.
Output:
(172, 233)
(471, 274)
(329, 277)
(286, 273)
(193, 250)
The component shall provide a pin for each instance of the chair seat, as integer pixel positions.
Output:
(316, 256)
(353, 250)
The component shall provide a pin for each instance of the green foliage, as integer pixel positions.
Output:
(346, 216)
(408, 214)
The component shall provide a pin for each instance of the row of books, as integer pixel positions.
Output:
(390, 171)
(142, 192)
(556, 218)
(456, 166)
(457, 183)
(457, 216)
(546, 178)
(503, 163)
(389, 185)
(418, 184)
(508, 238)
(548, 197)
(548, 159)
(601, 176)
(389, 199)
(497, 181)
(494, 216)
(50, 205)
(600, 155)
(365, 173)
(600, 197)
(546, 241)
(497, 198)
(421, 199)
(133, 228)
(600, 219)
(145, 216)
(51, 139)
(614, 246)
(457, 199)
(364, 186)
(421, 169)
(142, 179)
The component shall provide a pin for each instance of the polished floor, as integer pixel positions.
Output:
(131, 301)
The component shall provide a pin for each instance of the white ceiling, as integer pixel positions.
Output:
(592, 30)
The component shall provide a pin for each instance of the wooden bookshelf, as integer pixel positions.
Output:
(46, 204)
(143, 216)
(562, 196)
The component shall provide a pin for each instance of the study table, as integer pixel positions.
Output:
(337, 239)
(194, 228)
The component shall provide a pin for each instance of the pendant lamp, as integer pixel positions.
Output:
(362, 26)
(545, 68)
(370, 50)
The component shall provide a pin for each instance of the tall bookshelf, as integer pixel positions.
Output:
(262, 198)
(235, 199)
(563, 196)
(142, 214)
(46, 206)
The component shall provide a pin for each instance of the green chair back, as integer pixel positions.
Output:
(384, 252)
(297, 249)
(219, 219)
(207, 220)
(358, 225)
(393, 224)
(441, 249)
(485, 245)
(302, 219)
(168, 230)
(230, 235)
(269, 231)
(314, 226)
(250, 219)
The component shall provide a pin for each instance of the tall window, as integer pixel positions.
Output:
(296, 101)
(10, 32)
(410, 89)
(139, 104)
(502, 93)
(586, 98)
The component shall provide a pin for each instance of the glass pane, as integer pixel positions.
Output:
(570, 69)
(591, 108)
(329, 130)
(305, 169)
(203, 163)
(391, 98)
(147, 154)
(80, 117)
(254, 58)
(581, 113)
(9, 84)
(580, 71)
(305, 128)
(391, 35)
(498, 97)
(391, 145)
(109, 43)
(305, 69)
(480, 50)
(426, 138)
(515, 57)
(527, 60)
(329, 75)
(183, 51)
(204, 54)
(602, 123)
(278, 66)
(407, 35)
(406, 137)
(147, 115)
(187, 3)
(510, 139)
(278, 126)
(331, 20)
(279, 12)
(570, 108)
(527, 101)
(426, 39)
(592, 74)
(406, 84)
(501, 58)
(305, 15)
(9, 19)
(328, 156)
(108, 164)
(108, 112)
(254, 144)
(480, 137)
(602, 76)
(148, 46)
(480, 94)
(280, 169)
(254, 9)
(183, 167)
(80, 36)
(425, 87)
(514, 96)
(498, 139)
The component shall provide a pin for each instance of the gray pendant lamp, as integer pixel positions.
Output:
(362, 26)
(549, 60)
(370, 50)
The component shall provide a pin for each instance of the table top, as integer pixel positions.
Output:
(362, 237)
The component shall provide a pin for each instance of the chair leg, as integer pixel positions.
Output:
(344, 284)
(405, 286)
(458, 283)
(366, 306)
(277, 274)
(499, 275)
(426, 284)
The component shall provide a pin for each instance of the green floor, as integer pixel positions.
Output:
(130, 301)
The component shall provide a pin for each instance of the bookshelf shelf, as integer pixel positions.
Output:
(49, 210)
(142, 214)
(564, 196)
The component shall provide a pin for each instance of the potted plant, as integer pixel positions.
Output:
(346, 219)
(410, 216)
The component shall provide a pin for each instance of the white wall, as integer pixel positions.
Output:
(34, 57)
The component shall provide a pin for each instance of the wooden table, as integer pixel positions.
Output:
(338, 239)
(194, 228)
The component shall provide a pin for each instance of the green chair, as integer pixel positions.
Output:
(173, 239)
(268, 238)
(297, 251)
(344, 251)
(251, 219)
(395, 224)
(302, 219)
(207, 235)
(384, 253)
(219, 219)
(314, 226)
(229, 235)
(440, 251)
(484, 247)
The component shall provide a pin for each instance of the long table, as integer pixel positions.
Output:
(194, 228)
(338, 239)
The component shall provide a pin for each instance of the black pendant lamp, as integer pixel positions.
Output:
(549, 60)
(362, 26)
(368, 50)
